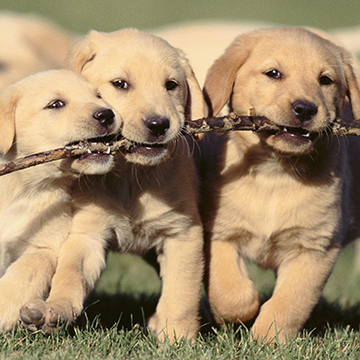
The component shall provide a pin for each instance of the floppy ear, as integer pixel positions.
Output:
(81, 53)
(195, 103)
(221, 76)
(353, 91)
(8, 100)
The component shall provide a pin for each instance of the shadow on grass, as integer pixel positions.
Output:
(332, 315)
(124, 311)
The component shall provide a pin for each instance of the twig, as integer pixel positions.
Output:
(77, 150)
(229, 123)
(346, 127)
(220, 124)
(259, 123)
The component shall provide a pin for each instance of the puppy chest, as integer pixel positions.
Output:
(149, 223)
(262, 217)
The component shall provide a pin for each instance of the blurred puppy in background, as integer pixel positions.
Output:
(30, 44)
(286, 200)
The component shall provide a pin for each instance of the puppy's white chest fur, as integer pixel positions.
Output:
(274, 210)
(148, 223)
(141, 207)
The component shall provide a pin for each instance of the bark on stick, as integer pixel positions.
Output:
(232, 122)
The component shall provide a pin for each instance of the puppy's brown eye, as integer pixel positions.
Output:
(120, 84)
(325, 80)
(98, 95)
(55, 104)
(171, 85)
(274, 74)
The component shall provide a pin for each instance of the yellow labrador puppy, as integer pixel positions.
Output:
(41, 112)
(149, 200)
(30, 44)
(285, 200)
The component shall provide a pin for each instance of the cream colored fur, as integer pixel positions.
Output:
(289, 200)
(30, 44)
(42, 112)
(149, 200)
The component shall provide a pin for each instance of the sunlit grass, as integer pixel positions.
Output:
(94, 342)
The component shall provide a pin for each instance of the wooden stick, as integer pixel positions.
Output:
(220, 124)
(259, 123)
(71, 151)
(229, 123)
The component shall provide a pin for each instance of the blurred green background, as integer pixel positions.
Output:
(109, 15)
(126, 276)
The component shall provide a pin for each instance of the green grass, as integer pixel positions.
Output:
(94, 342)
(113, 323)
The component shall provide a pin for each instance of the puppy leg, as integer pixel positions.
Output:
(298, 288)
(80, 264)
(27, 278)
(181, 271)
(232, 295)
(81, 261)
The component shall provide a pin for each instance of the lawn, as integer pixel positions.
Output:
(113, 322)
(93, 342)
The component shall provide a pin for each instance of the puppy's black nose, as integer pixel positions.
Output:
(104, 116)
(157, 125)
(304, 110)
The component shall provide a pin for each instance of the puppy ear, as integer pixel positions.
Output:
(353, 91)
(195, 103)
(221, 76)
(8, 100)
(81, 53)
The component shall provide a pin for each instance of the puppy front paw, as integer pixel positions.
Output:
(40, 315)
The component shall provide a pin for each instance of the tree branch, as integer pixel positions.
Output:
(77, 150)
(259, 123)
(220, 124)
